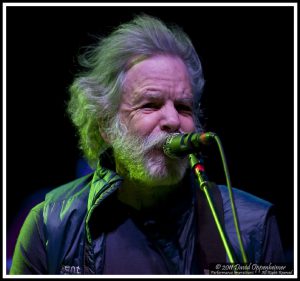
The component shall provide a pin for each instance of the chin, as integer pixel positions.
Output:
(164, 171)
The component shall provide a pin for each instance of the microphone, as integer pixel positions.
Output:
(179, 145)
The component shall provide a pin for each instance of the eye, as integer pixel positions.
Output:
(183, 108)
(151, 105)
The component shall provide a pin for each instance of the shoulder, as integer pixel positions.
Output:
(35, 217)
(252, 211)
(243, 200)
(66, 200)
(69, 190)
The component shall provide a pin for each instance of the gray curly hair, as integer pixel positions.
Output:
(96, 92)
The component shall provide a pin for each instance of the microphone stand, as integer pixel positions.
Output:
(199, 172)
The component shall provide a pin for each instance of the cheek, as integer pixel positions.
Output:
(187, 124)
(144, 124)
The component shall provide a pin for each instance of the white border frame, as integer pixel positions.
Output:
(295, 5)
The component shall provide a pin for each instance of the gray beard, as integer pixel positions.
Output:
(141, 159)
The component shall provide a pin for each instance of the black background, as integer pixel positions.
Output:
(247, 56)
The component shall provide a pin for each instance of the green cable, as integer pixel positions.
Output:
(231, 197)
(203, 186)
(223, 238)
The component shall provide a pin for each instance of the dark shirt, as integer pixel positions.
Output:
(156, 241)
(150, 244)
(160, 240)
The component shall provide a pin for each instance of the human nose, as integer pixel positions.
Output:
(170, 121)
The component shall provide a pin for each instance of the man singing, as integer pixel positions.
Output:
(140, 212)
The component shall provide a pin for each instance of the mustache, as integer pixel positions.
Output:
(135, 144)
(155, 141)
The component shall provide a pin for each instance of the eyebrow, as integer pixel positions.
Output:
(185, 100)
(156, 95)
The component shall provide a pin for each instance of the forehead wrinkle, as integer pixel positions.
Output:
(138, 96)
(140, 84)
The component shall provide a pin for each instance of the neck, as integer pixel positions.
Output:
(141, 196)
